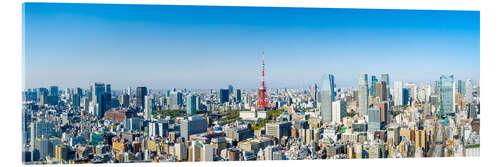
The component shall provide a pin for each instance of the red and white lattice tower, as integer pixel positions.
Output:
(263, 102)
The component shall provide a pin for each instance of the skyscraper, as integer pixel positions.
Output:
(223, 95)
(231, 89)
(398, 93)
(191, 104)
(193, 125)
(314, 94)
(75, 100)
(238, 95)
(363, 94)
(468, 91)
(338, 111)
(461, 87)
(97, 92)
(385, 77)
(124, 100)
(374, 119)
(99, 99)
(446, 94)
(384, 112)
(373, 86)
(148, 107)
(381, 90)
(140, 93)
(54, 91)
(406, 96)
(108, 88)
(326, 97)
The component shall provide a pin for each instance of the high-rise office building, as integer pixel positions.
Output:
(238, 95)
(98, 89)
(468, 91)
(108, 88)
(202, 152)
(149, 105)
(447, 94)
(363, 94)
(385, 77)
(230, 88)
(314, 94)
(75, 100)
(223, 95)
(406, 96)
(461, 87)
(100, 99)
(43, 98)
(40, 129)
(193, 125)
(279, 130)
(338, 111)
(326, 97)
(373, 89)
(191, 104)
(384, 112)
(54, 91)
(398, 93)
(153, 130)
(141, 92)
(374, 119)
(381, 90)
(124, 100)
(175, 100)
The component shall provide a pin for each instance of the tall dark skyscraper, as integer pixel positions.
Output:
(238, 95)
(406, 96)
(54, 91)
(223, 95)
(124, 100)
(108, 88)
(98, 89)
(140, 93)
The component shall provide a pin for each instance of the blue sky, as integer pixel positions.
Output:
(162, 46)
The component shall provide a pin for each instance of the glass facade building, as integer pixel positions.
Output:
(326, 97)
(363, 94)
(446, 94)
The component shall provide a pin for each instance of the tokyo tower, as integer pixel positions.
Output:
(263, 102)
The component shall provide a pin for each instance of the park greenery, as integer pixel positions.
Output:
(472, 146)
(229, 116)
(170, 113)
(272, 115)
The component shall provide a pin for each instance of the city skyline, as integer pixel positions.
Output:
(195, 48)
(128, 84)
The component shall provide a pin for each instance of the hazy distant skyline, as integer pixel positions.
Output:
(162, 46)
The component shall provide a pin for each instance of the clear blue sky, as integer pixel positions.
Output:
(161, 46)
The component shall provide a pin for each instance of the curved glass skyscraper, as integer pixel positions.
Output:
(326, 97)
